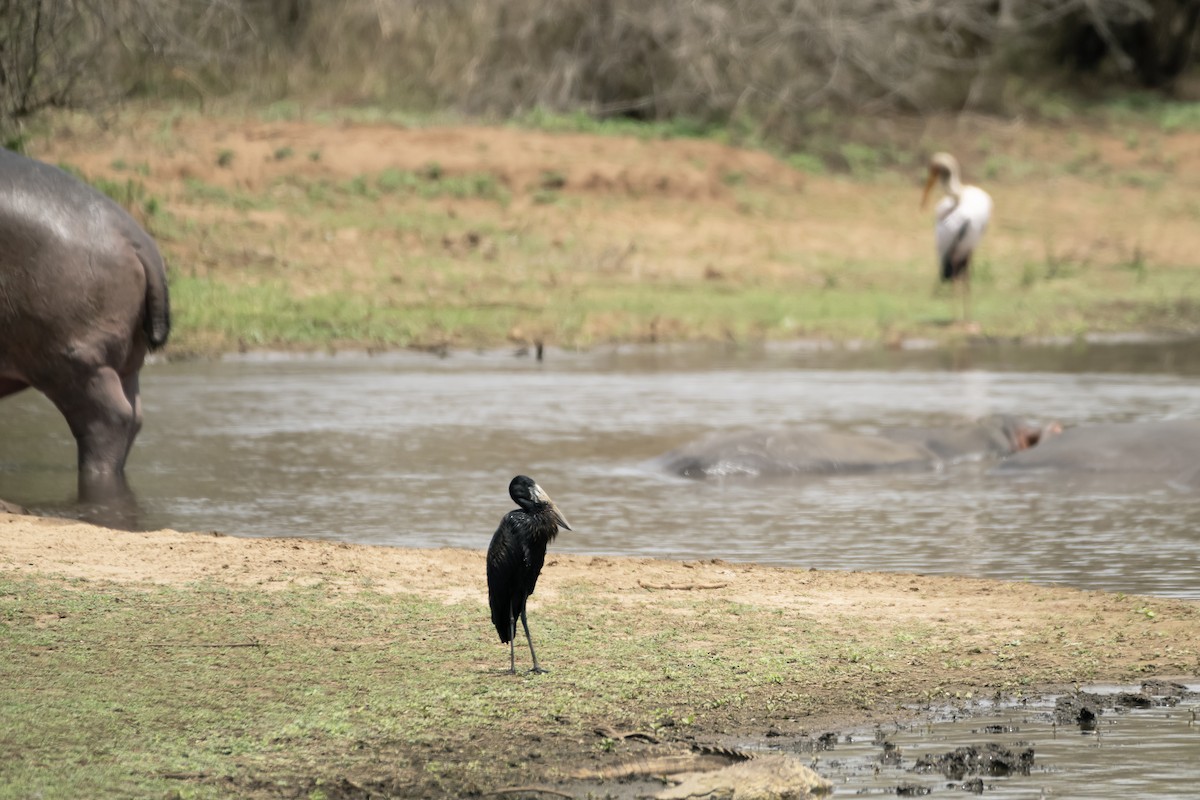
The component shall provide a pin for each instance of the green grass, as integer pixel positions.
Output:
(582, 122)
(131, 193)
(112, 690)
(127, 689)
(1167, 115)
(414, 276)
(1054, 304)
(269, 314)
(211, 690)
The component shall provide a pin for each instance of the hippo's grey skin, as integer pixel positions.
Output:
(994, 436)
(777, 453)
(780, 453)
(1169, 451)
(83, 297)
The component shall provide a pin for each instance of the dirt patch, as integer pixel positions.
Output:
(964, 607)
(250, 156)
(51, 546)
(240, 153)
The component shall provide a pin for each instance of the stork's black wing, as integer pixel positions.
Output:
(507, 571)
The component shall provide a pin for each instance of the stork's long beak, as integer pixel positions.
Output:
(928, 188)
(540, 495)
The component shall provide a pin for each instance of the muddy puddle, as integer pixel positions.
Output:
(1140, 744)
(415, 450)
(1103, 741)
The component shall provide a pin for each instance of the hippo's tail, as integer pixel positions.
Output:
(156, 321)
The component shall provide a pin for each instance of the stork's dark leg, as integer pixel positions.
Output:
(537, 670)
(512, 650)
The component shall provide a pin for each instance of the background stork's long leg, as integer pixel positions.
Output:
(966, 282)
(536, 669)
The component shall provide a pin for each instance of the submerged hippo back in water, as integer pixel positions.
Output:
(83, 297)
(791, 453)
(779, 453)
(1167, 451)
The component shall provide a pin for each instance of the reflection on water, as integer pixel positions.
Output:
(1136, 752)
(413, 450)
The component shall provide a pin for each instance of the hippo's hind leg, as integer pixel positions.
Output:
(130, 387)
(104, 413)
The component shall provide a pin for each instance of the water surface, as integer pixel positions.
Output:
(1140, 752)
(415, 450)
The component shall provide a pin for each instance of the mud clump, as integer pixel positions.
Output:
(974, 786)
(992, 759)
(1161, 688)
(808, 744)
(1084, 708)
(1168, 693)
(1133, 700)
(1078, 708)
(770, 777)
(891, 755)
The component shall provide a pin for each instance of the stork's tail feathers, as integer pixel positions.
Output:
(952, 268)
(502, 620)
(947, 269)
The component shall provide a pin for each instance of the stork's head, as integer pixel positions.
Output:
(943, 168)
(528, 495)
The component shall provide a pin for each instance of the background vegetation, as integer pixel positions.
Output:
(775, 66)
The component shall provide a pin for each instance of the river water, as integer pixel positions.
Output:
(416, 450)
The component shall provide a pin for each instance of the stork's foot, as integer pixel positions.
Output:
(538, 671)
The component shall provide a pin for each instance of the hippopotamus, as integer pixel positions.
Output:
(779, 453)
(83, 298)
(1160, 451)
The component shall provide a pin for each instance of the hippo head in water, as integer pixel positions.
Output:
(806, 452)
(1166, 451)
(993, 436)
(1025, 436)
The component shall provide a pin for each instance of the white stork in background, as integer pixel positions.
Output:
(962, 217)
